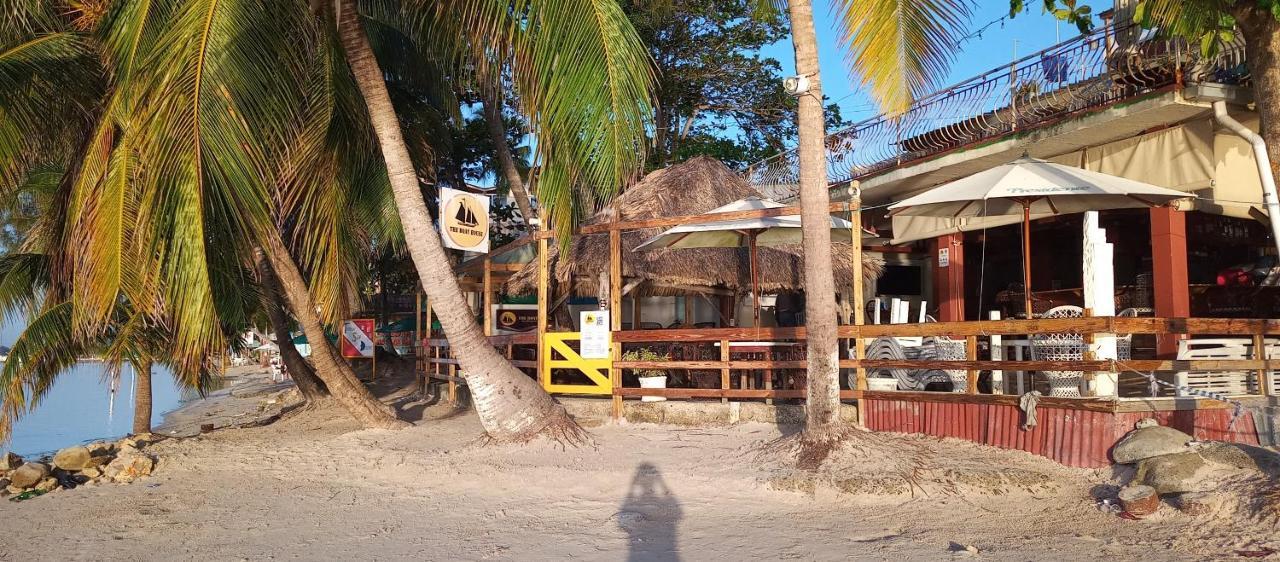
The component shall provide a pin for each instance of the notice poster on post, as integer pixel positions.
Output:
(464, 220)
(596, 339)
(357, 338)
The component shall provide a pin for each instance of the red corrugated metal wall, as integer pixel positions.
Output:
(1072, 437)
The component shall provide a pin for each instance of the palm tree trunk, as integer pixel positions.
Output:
(311, 387)
(511, 405)
(337, 376)
(506, 163)
(823, 390)
(1261, 34)
(142, 397)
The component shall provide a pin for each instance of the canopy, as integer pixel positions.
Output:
(1029, 186)
(768, 231)
(1035, 186)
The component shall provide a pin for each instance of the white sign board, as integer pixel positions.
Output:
(596, 339)
(944, 257)
(464, 220)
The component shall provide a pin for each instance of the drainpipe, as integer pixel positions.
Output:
(1264, 167)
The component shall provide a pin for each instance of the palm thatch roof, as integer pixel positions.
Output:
(696, 186)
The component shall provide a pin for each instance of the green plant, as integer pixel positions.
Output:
(646, 354)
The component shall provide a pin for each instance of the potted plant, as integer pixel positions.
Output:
(649, 378)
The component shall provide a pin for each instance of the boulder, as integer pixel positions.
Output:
(101, 449)
(47, 485)
(72, 458)
(1148, 442)
(91, 472)
(4, 483)
(1172, 474)
(10, 461)
(28, 475)
(129, 467)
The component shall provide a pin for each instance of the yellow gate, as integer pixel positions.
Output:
(557, 354)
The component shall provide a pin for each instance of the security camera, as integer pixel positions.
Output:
(796, 85)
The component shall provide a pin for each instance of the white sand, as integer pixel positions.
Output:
(311, 486)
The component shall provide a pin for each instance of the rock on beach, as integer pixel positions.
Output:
(28, 475)
(1148, 442)
(72, 458)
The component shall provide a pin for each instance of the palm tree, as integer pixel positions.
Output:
(897, 48)
(167, 195)
(589, 117)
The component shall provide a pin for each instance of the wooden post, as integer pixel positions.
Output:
(724, 371)
(858, 298)
(1170, 284)
(543, 280)
(487, 300)
(971, 353)
(1264, 376)
(615, 316)
(453, 379)
(635, 313)
(997, 354)
(948, 276)
(689, 320)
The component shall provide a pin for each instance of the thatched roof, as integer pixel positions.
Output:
(696, 186)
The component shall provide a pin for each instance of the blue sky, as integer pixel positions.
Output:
(1033, 31)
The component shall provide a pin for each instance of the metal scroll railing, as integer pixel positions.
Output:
(1106, 66)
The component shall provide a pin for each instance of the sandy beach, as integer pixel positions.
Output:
(311, 485)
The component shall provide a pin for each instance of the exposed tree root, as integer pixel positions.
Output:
(809, 449)
(561, 429)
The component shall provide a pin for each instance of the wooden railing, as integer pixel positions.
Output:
(733, 376)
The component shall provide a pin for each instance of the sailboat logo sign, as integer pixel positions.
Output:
(464, 220)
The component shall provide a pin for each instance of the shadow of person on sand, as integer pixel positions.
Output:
(649, 516)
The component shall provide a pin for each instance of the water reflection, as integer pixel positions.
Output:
(81, 407)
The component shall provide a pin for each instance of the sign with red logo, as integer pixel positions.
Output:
(357, 338)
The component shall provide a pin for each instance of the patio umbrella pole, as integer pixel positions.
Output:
(755, 282)
(1026, 256)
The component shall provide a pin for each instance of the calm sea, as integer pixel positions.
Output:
(81, 408)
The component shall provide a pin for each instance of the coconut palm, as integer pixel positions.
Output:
(589, 117)
(167, 197)
(896, 49)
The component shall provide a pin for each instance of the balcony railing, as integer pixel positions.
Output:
(1110, 65)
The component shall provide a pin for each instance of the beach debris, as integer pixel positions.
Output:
(1139, 500)
(28, 475)
(24, 496)
(965, 550)
(72, 458)
(1146, 422)
(1150, 441)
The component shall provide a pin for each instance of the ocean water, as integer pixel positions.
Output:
(81, 408)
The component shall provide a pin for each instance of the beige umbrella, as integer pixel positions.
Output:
(1028, 185)
(752, 232)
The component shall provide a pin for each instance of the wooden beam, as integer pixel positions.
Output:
(543, 281)
(702, 218)
(487, 300)
(1170, 282)
(615, 319)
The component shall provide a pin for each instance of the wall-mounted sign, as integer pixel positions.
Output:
(944, 257)
(464, 220)
(515, 318)
(595, 336)
(357, 338)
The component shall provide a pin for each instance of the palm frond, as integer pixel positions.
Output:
(899, 49)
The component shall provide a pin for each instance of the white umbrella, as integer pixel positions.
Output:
(752, 232)
(1026, 186)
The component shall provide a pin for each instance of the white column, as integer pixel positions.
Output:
(1099, 297)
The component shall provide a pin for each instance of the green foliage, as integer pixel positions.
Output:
(646, 354)
(715, 94)
(1207, 23)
